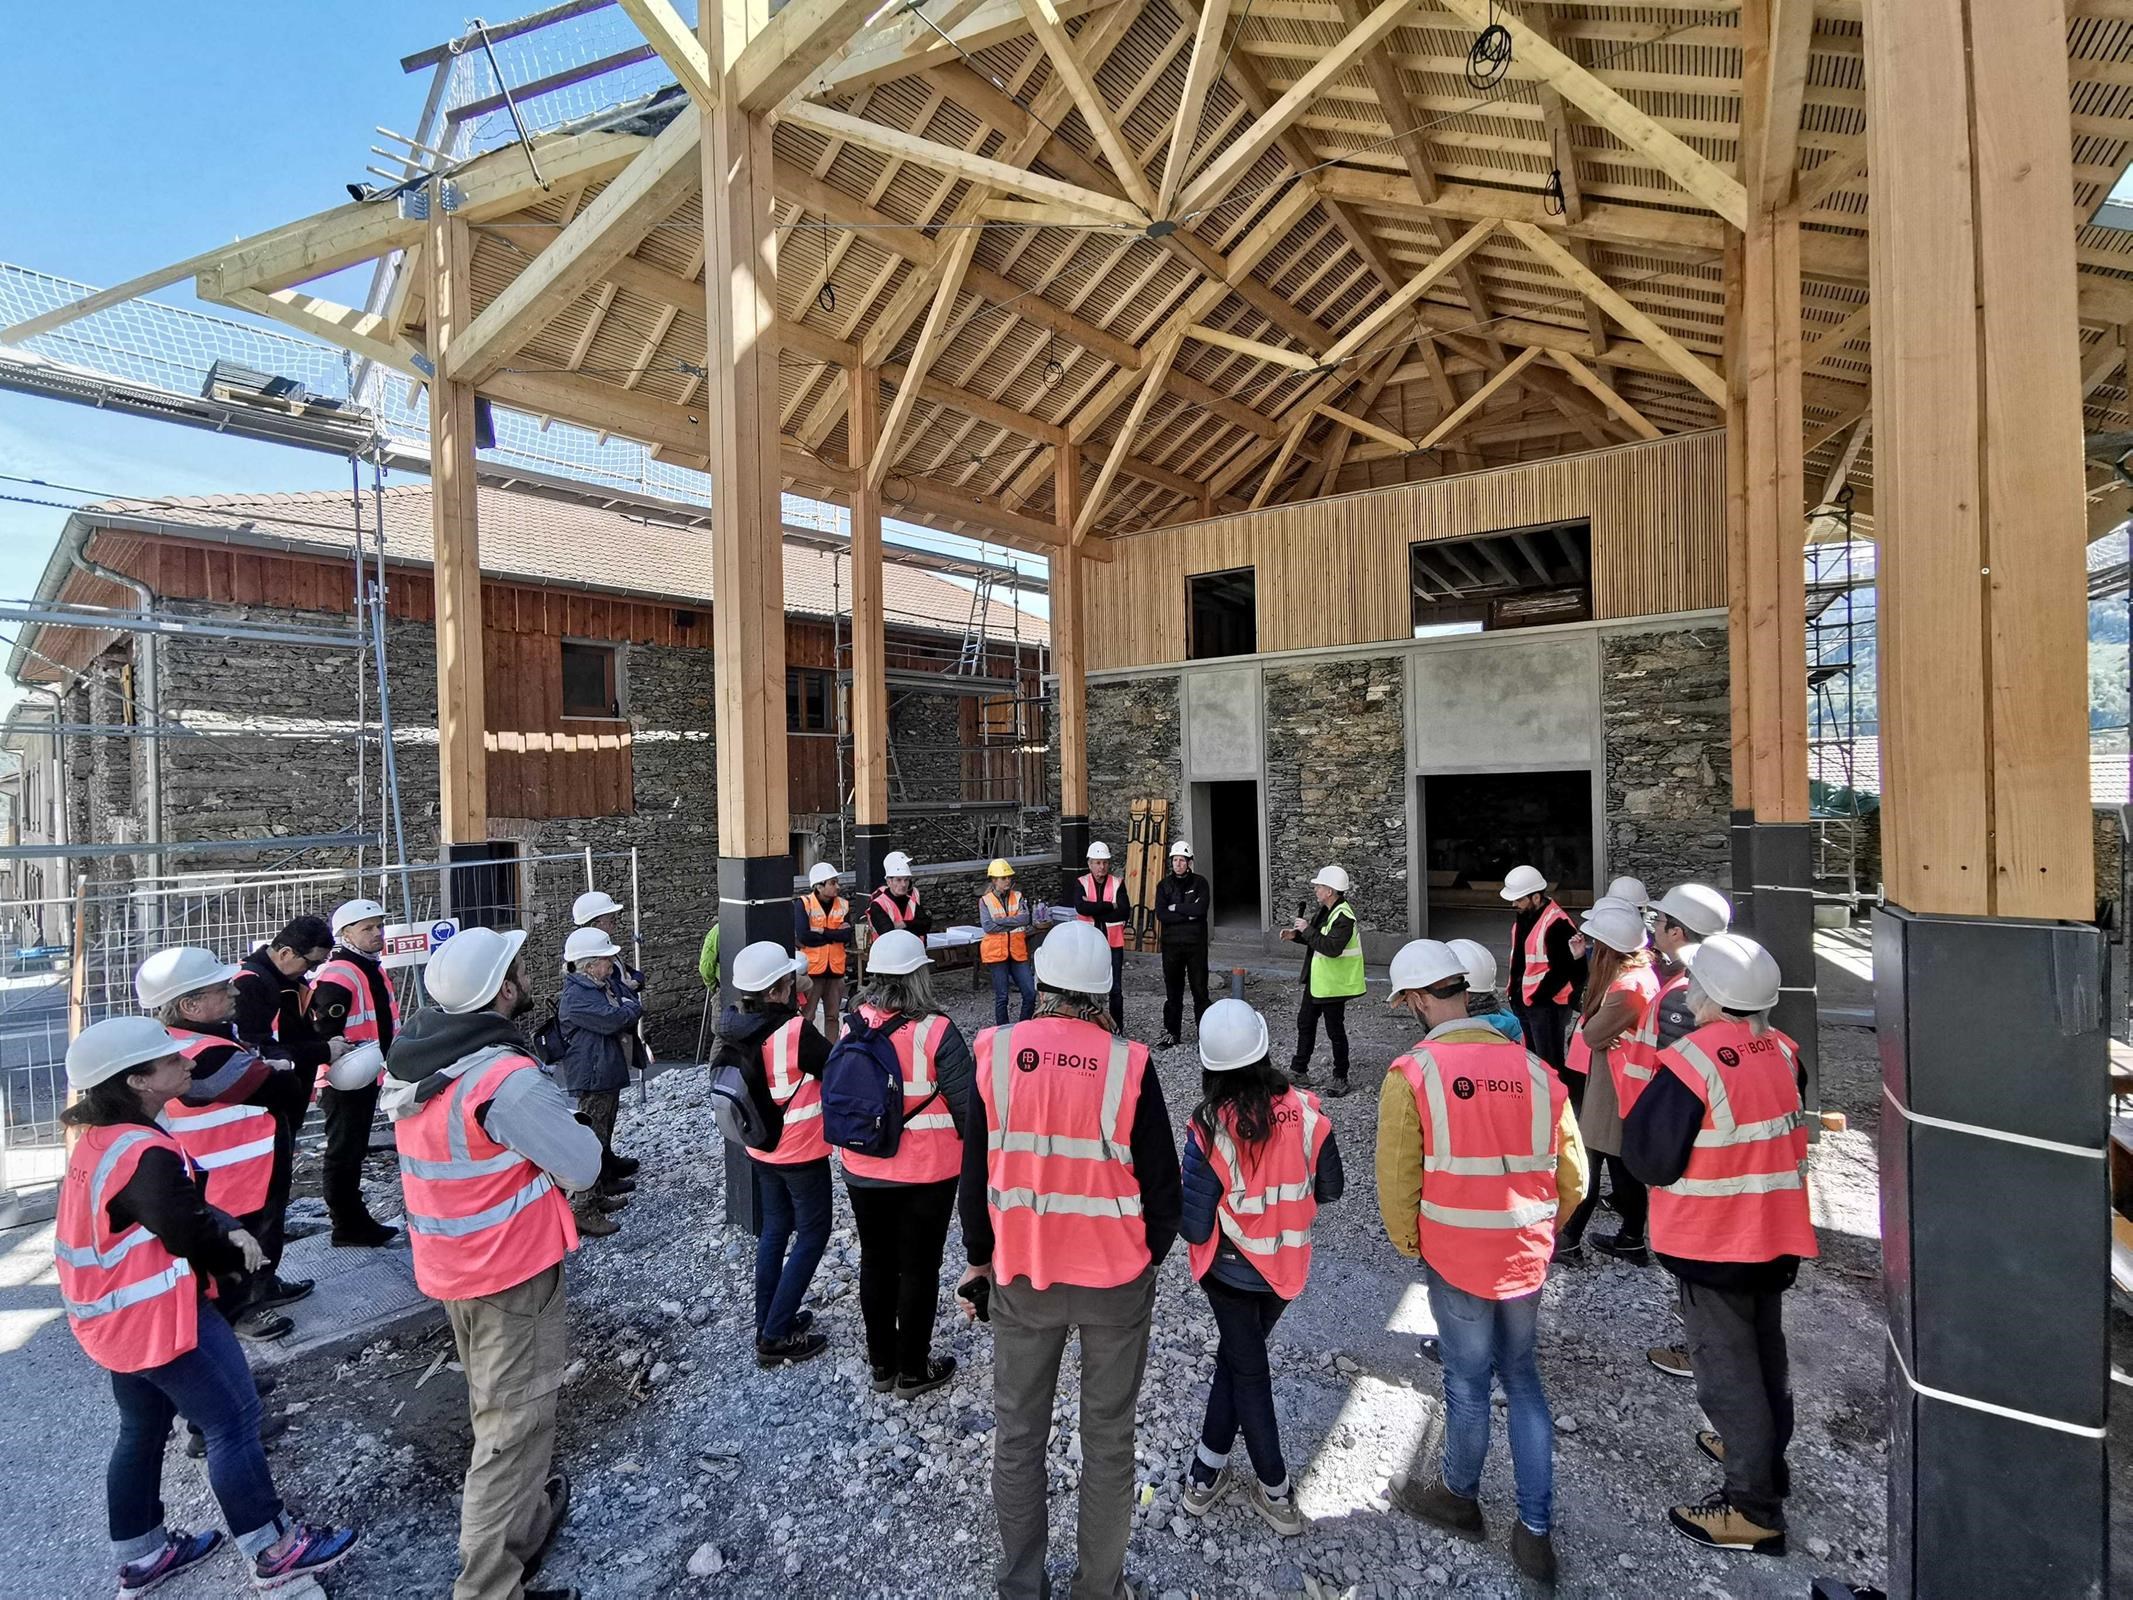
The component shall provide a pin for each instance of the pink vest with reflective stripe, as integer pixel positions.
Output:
(1536, 967)
(1269, 1195)
(891, 909)
(360, 1026)
(1107, 894)
(1059, 1100)
(800, 1095)
(131, 1303)
(1489, 1115)
(1629, 1058)
(930, 1151)
(232, 1144)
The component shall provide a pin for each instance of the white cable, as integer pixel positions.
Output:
(2001, 1134)
(1986, 1406)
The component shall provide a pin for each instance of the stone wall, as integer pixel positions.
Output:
(1667, 720)
(1336, 784)
(1134, 753)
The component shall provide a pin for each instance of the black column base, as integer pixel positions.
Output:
(1073, 845)
(870, 843)
(1774, 904)
(1993, 1249)
(754, 902)
(481, 883)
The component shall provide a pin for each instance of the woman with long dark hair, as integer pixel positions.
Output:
(1259, 1161)
(1615, 1043)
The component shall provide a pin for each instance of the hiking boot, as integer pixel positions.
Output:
(1633, 1251)
(1672, 1360)
(307, 1551)
(1202, 1495)
(1167, 1042)
(1567, 1252)
(1299, 1074)
(1709, 1442)
(939, 1369)
(594, 1223)
(1341, 1087)
(261, 1325)
(180, 1550)
(264, 1384)
(791, 1350)
(272, 1425)
(280, 1291)
(625, 1166)
(367, 1234)
(1717, 1522)
(609, 1203)
(882, 1379)
(1533, 1554)
(1277, 1511)
(608, 1186)
(567, 1593)
(557, 1490)
(1433, 1502)
(802, 1320)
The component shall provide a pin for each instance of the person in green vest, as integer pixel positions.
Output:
(707, 969)
(1332, 975)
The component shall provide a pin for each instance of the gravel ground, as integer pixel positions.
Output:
(696, 1475)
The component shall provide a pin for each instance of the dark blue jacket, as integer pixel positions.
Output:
(1203, 1198)
(599, 1030)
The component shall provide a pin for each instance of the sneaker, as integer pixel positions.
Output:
(1202, 1495)
(1276, 1511)
(307, 1551)
(791, 1350)
(1633, 1251)
(272, 1425)
(1533, 1554)
(1433, 1502)
(1341, 1087)
(280, 1291)
(1709, 1442)
(594, 1223)
(368, 1234)
(802, 1320)
(1299, 1074)
(1429, 1349)
(609, 1203)
(1169, 1041)
(261, 1325)
(882, 1379)
(939, 1369)
(180, 1550)
(1672, 1360)
(1718, 1523)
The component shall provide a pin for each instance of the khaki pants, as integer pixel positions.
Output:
(1029, 1338)
(514, 1346)
(827, 990)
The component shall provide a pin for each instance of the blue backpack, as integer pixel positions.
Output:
(863, 1091)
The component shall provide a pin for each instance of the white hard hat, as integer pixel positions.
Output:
(1522, 881)
(897, 952)
(1737, 972)
(1480, 964)
(820, 873)
(470, 967)
(1334, 878)
(585, 943)
(592, 903)
(115, 1045)
(1232, 1035)
(1182, 848)
(1099, 851)
(1075, 957)
(1697, 907)
(1616, 924)
(1423, 964)
(358, 1069)
(764, 965)
(896, 865)
(182, 969)
(350, 912)
(1630, 889)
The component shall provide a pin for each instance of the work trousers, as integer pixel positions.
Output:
(1029, 1339)
(903, 1229)
(792, 1203)
(514, 1347)
(1633, 1202)
(596, 1109)
(1182, 963)
(211, 1387)
(827, 988)
(1744, 1384)
(348, 1118)
(1242, 1393)
(1025, 980)
(288, 1097)
(1335, 1013)
(1118, 988)
(1548, 1036)
(1478, 1338)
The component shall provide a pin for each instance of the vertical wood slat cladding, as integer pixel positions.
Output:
(1335, 572)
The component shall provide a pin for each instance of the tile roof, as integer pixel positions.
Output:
(1826, 764)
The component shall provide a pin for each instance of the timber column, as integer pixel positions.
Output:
(1071, 667)
(755, 875)
(870, 661)
(1995, 1215)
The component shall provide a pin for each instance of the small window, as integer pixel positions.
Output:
(592, 681)
(807, 700)
(1523, 579)
(1225, 613)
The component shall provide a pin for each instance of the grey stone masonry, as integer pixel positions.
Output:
(1134, 752)
(1336, 784)
(1668, 725)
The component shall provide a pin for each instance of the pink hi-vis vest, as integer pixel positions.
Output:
(894, 912)
(1536, 968)
(481, 1218)
(1744, 1195)
(1489, 1115)
(232, 1144)
(1066, 1204)
(800, 1095)
(1269, 1195)
(930, 1151)
(131, 1303)
(1630, 1057)
(360, 1026)
(1106, 894)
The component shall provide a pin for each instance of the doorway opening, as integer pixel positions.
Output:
(1478, 826)
(1226, 816)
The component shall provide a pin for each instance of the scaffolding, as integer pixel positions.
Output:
(1845, 771)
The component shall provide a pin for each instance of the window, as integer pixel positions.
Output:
(1523, 579)
(592, 680)
(807, 700)
(1225, 613)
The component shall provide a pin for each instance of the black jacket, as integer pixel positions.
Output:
(231, 1074)
(330, 1001)
(1566, 972)
(918, 921)
(1658, 1136)
(1318, 942)
(173, 1206)
(1181, 906)
(270, 1014)
(745, 1030)
(1103, 912)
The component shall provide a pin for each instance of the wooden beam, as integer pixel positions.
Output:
(1282, 458)
(1844, 419)
(1368, 429)
(1840, 470)
(1192, 103)
(1337, 446)
(361, 332)
(1069, 659)
(1293, 359)
(1828, 344)
(1151, 386)
(931, 338)
(1604, 392)
(1657, 339)
(906, 45)
(1382, 315)
(1050, 28)
(462, 757)
(1475, 401)
(665, 32)
(799, 38)
(1832, 174)
(1780, 31)
(870, 660)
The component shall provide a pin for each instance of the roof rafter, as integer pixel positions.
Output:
(678, 47)
(1657, 339)
(930, 340)
(1050, 28)
(1151, 386)
(1192, 103)
(797, 39)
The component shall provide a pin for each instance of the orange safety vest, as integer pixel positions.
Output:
(1012, 945)
(1487, 1221)
(896, 914)
(1630, 1057)
(1107, 894)
(1536, 967)
(360, 1026)
(1066, 1204)
(799, 1094)
(481, 1218)
(1269, 1197)
(931, 1150)
(131, 1303)
(232, 1144)
(823, 958)
(1744, 1194)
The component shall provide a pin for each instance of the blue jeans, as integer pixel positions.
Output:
(1025, 980)
(792, 1203)
(1242, 1394)
(211, 1387)
(1476, 1337)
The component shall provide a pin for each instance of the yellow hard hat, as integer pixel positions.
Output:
(1000, 868)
